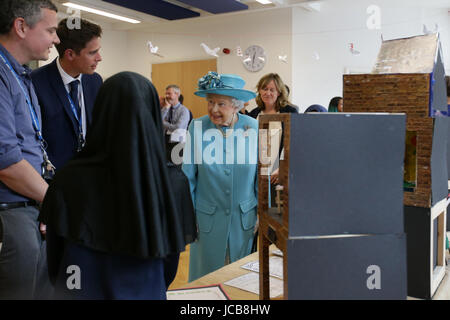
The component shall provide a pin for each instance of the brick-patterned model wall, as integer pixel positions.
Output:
(399, 93)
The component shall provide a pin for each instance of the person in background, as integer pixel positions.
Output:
(27, 32)
(191, 116)
(272, 98)
(112, 211)
(224, 183)
(316, 108)
(176, 119)
(336, 105)
(67, 88)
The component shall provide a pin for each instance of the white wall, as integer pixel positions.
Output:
(180, 41)
(114, 52)
(341, 22)
(294, 32)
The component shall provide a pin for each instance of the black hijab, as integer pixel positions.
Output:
(117, 196)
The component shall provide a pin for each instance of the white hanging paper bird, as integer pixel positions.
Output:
(283, 58)
(352, 50)
(209, 51)
(239, 51)
(154, 50)
(316, 55)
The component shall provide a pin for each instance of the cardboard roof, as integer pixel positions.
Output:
(408, 55)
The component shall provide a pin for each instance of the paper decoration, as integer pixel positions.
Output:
(154, 49)
(283, 58)
(239, 51)
(374, 20)
(352, 50)
(212, 52)
(316, 55)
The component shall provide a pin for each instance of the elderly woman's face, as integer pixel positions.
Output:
(220, 109)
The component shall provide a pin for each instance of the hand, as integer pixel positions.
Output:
(274, 179)
(163, 102)
(42, 228)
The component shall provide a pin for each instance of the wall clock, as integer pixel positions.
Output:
(254, 58)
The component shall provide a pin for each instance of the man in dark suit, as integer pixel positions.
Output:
(67, 88)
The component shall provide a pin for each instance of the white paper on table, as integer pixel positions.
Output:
(214, 292)
(275, 267)
(250, 282)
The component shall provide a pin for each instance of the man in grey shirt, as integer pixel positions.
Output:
(27, 32)
(175, 120)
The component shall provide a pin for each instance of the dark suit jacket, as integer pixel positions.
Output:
(59, 126)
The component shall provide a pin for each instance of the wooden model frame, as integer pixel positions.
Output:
(273, 227)
(439, 213)
(399, 93)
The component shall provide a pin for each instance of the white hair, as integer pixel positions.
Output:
(239, 104)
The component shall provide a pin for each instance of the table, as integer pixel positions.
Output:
(234, 270)
(229, 272)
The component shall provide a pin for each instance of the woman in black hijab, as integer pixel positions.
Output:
(111, 214)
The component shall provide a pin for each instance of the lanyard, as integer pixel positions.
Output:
(75, 113)
(34, 118)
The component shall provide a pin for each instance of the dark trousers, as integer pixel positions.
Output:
(23, 260)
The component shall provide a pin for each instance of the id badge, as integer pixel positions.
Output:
(81, 142)
(47, 169)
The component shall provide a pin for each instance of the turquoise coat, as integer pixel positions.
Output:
(223, 186)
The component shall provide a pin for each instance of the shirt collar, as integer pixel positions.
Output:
(177, 105)
(18, 68)
(66, 78)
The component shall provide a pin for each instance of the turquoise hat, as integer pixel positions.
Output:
(225, 84)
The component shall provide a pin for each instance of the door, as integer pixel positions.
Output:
(184, 74)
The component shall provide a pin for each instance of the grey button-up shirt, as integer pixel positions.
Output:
(180, 120)
(17, 136)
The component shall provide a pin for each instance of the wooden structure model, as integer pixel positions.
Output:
(323, 214)
(409, 78)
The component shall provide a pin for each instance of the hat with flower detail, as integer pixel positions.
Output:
(225, 84)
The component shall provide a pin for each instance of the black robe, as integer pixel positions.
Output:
(117, 195)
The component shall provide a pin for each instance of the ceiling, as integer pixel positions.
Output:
(151, 12)
(157, 11)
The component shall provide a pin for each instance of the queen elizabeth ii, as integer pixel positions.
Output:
(220, 162)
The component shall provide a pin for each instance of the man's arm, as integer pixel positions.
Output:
(25, 180)
(181, 123)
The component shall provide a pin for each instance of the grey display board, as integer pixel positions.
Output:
(438, 86)
(448, 147)
(346, 174)
(362, 267)
(439, 175)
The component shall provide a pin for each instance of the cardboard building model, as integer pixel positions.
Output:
(409, 77)
(340, 220)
